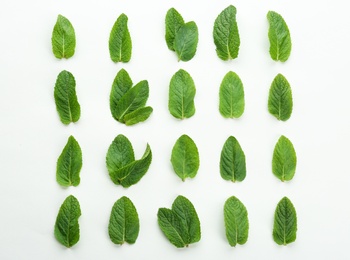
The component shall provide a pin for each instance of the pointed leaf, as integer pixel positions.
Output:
(232, 161)
(63, 38)
(186, 40)
(66, 100)
(181, 95)
(137, 116)
(226, 36)
(173, 22)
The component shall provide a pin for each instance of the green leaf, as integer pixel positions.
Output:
(236, 221)
(139, 115)
(279, 36)
(180, 224)
(124, 222)
(67, 226)
(231, 95)
(226, 36)
(186, 40)
(69, 164)
(122, 167)
(66, 100)
(181, 95)
(185, 158)
(63, 38)
(280, 102)
(120, 45)
(232, 161)
(173, 22)
(285, 223)
(284, 159)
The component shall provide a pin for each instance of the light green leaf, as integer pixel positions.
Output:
(279, 36)
(120, 44)
(285, 223)
(236, 221)
(186, 40)
(280, 102)
(231, 95)
(185, 158)
(284, 159)
(181, 95)
(66, 100)
(124, 222)
(69, 164)
(181, 224)
(232, 161)
(139, 115)
(226, 36)
(63, 38)
(67, 226)
(173, 22)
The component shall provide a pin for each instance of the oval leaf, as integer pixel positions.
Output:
(124, 222)
(185, 158)
(173, 22)
(232, 161)
(66, 100)
(67, 226)
(280, 102)
(284, 159)
(186, 40)
(236, 221)
(231, 96)
(69, 164)
(279, 36)
(181, 95)
(226, 36)
(63, 38)
(285, 223)
(137, 116)
(120, 45)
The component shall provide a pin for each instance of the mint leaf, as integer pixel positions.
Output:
(232, 161)
(284, 159)
(280, 102)
(285, 223)
(181, 224)
(122, 167)
(185, 158)
(231, 95)
(186, 40)
(279, 36)
(69, 164)
(236, 221)
(67, 226)
(63, 38)
(226, 36)
(66, 100)
(124, 222)
(181, 95)
(173, 22)
(137, 116)
(120, 45)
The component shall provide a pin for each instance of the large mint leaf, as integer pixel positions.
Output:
(173, 22)
(63, 38)
(186, 40)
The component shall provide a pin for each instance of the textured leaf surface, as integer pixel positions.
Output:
(232, 161)
(173, 22)
(185, 158)
(69, 164)
(181, 95)
(181, 224)
(279, 36)
(120, 44)
(285, 223)
(226, 36)
(67, 226)
(231, 96)
(66, 100)
(137, 116)
(284, 159)
(63, 38)
(186, 40)
(236, 221)
(280, 102)
(124, 222)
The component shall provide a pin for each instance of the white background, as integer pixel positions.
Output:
(32, 137)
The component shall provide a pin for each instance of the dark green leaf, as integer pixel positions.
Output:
(63, 38)
(139, 115)
(186, 40)
(173, 22)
